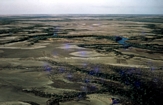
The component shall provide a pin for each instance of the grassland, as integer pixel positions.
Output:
(78, 60)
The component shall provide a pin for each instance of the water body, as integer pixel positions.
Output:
(54, 34)
(122, 41)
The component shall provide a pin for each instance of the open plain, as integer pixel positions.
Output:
(81, 60)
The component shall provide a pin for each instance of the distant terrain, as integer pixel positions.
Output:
(81, 60)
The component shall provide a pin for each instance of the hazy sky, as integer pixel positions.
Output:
(81, 6)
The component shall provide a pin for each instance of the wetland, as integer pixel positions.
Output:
(81, 60)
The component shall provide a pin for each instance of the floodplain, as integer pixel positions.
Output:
(81, 60)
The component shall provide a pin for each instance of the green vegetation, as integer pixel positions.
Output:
(139, 88)
(6, 21)
(125, 72)
(151, 26)
(142, 19)
(146, 46)
(155, 29)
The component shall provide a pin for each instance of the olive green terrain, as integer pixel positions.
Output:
(79, 60)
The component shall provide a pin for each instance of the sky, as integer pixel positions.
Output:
(81, 7)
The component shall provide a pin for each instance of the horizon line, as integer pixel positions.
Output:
(69, 14)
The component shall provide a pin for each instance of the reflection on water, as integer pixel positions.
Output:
(54, 34)
(122, 41)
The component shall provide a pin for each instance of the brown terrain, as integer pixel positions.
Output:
(81, 60)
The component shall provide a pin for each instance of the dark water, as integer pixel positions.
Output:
(122, 41)
(54, 34)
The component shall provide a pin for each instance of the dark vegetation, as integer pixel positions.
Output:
(142, 18)
(108, 48)
(6, 21)
(143, 46)
(155, 29)
(141, 91)
(50, 31)
(155, 47)
(32, 103)
(16, 30)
